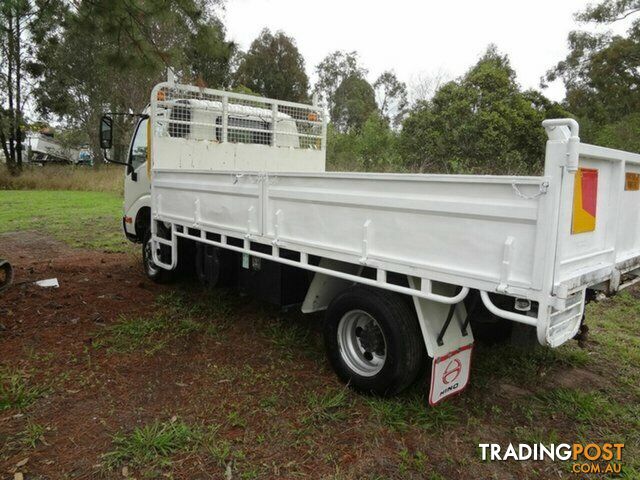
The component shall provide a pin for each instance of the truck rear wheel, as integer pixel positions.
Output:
(153, 272)
(215, 267)
(373, 340)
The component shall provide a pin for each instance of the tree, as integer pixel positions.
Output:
(481, 123)
(332, 72)
(274, 67)
(111, 53)
(374, 148)
(623, 134)
(423, 86)
(376, 145)
(23, 23)
(610, 11)
(353, 103)
(208, 55)
(391, 96)
(601, 73)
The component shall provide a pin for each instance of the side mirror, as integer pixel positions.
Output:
(106, 132)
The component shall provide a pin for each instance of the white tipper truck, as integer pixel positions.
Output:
(401, 263)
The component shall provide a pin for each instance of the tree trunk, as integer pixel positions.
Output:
(11, 159)
(5, 149)
(18, 60)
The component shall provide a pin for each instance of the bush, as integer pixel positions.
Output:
(623, 134)
(374, 149)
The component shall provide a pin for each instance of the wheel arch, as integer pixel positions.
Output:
(142, 222)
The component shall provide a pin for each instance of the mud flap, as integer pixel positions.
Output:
(449, 341)
(450, 374)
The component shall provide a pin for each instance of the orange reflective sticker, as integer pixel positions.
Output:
(632, 181)
(585, 200)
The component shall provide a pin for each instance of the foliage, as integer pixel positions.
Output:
(110, 53)
(377, 145)
(273, 67)
(391, 95)
(24, 26)
(609, 11)
(353, 102)
(374, 148)
(601, 74)
(209, 56)
(482, 122)
(332, 72)
(623, 134)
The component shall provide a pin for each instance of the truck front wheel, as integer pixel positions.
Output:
(373, 340)
(154, 272)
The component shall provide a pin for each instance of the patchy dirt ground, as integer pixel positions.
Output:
(248, 382)
(51, 330)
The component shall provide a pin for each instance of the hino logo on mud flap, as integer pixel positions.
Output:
(450, 373)
(449, 389)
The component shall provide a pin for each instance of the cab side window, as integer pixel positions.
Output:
(139, 147)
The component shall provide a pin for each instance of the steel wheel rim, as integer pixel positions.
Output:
(151, 267)
(362, 344)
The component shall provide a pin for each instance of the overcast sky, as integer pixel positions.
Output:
(417, 38)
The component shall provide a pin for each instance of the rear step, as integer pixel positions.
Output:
(564, 324)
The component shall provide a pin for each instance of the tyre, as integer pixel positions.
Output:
(373, 340)
(154, 272)
(215, 267)
(6, 274)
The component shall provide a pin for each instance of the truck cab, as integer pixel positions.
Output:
(137, 184)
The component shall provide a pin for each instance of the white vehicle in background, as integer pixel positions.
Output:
(42, 149)
(401, 263)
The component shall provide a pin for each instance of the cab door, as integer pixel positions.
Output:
(137, 186)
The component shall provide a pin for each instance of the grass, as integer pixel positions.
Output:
(174, 317)
(222, 452)
(149, 334)
(411, 410)
(412, 461)
(291, 338)
(523, 366)
(152, 445)
(135, 333)
(108, 178)
(330, 406)
(32, 435)
(81, 219)
(615, 327)
(587, 407)
(16, 391)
